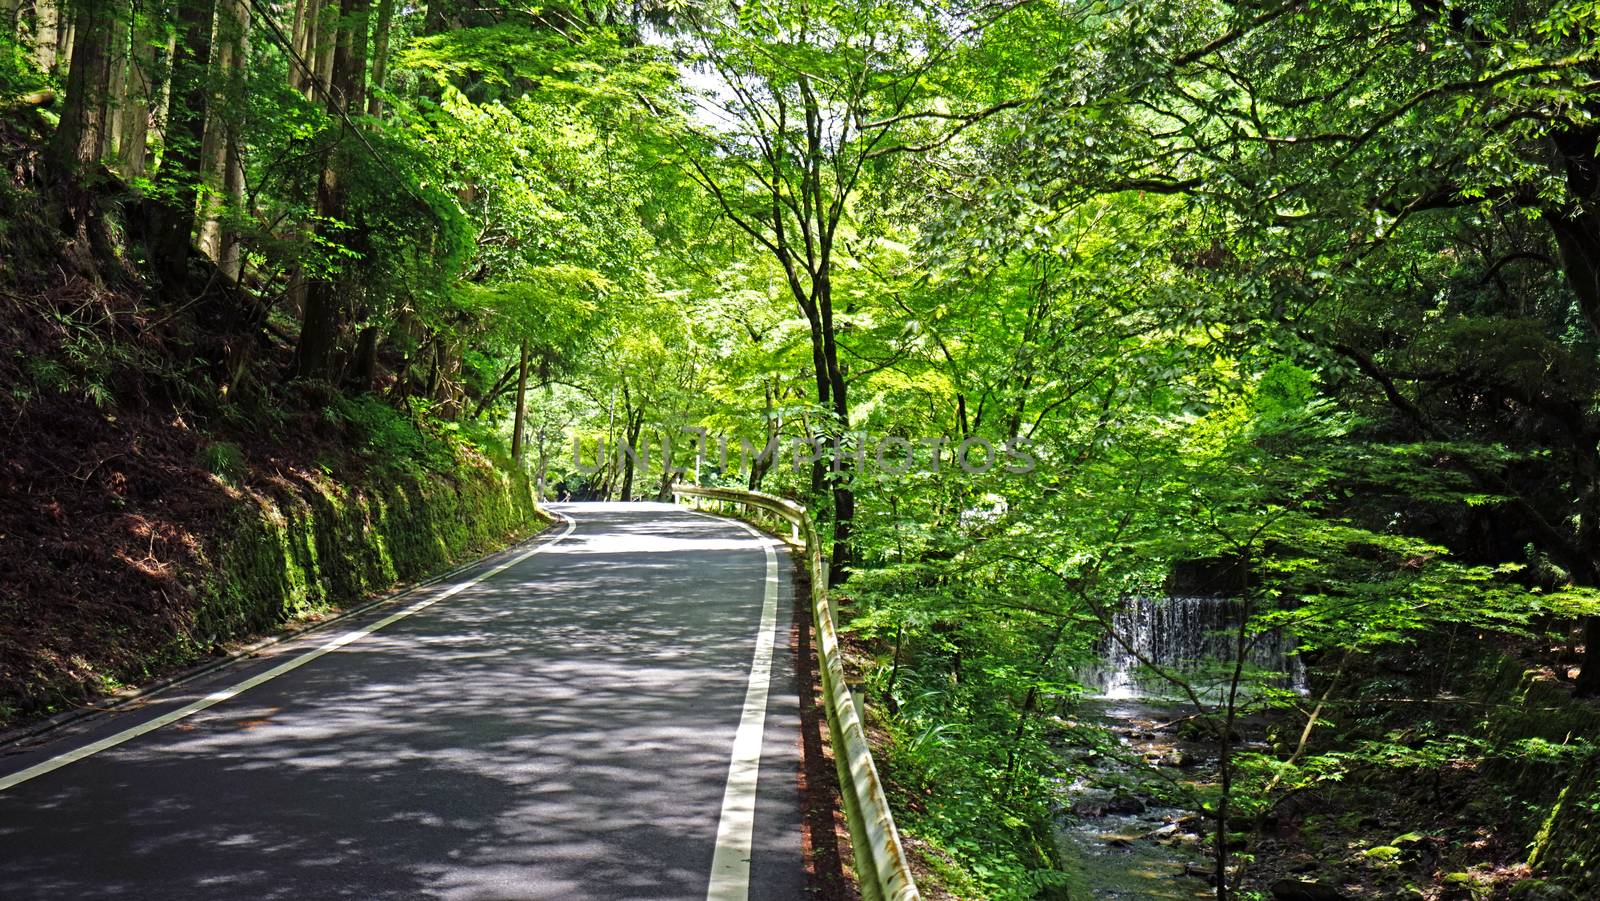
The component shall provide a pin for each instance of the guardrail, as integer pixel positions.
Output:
(881, 871)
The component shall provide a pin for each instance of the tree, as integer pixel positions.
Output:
(178, 179)
(805, 103)
(82, 137)
(346, 95)
(1339, 143)
(222, 144)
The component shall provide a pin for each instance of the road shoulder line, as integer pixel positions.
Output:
(730, 862)
(217, 697)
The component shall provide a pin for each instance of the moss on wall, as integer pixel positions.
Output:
(324, 545)
(306, 544)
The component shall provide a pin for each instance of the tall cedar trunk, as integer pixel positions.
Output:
(172, 235)
(116, 88)
(325, 40)
(1588, 684)
(319, 324)
(518, 421)
(380, 55)
(1577, 225)
(81, 138)
(302, 74)
(220, 163)
(161, 104)
(66, 30)
(46, 22)
(364, 362)
(298, 34)
(138, 93)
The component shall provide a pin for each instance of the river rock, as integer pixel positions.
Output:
(1088, 808)
(1125, 804)
(1175, 757)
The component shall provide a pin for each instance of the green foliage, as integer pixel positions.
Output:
(18, 76)
(1303, 291)
(223, 459)
(388, 437)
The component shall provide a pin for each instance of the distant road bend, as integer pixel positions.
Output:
(608, 711)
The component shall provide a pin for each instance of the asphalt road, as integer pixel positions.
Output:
(563, 728)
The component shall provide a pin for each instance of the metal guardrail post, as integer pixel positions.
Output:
(881, 870)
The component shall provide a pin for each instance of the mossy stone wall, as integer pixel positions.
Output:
(326, 545)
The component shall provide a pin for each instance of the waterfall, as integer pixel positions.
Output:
(1190, 635)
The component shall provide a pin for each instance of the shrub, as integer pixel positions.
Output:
(387, 436)
(223, 459)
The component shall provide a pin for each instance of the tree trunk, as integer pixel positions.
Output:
(172, 236)
(319, 325)
(300, 41)
(447, 403)
(138, 94)
(517, 421)
(117, 87)
(761, 464)
(380, 55)
(635, 426)
(1576, 227)
(544, 466)
(80, 139)
(326, 37)
(844, 498)
(1588, 684)
(364, 365)
(46, 22)
(220, 162)
(66, 30)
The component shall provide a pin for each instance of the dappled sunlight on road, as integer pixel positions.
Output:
(561, 730)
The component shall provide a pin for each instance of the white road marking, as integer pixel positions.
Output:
(217, 697)
(730, 863)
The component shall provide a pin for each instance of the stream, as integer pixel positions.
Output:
(1117, 838)
(1118, 841)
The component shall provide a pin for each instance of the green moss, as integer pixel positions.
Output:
(313, 544)
(329, 546)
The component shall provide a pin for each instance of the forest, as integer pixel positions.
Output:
(1200, 400)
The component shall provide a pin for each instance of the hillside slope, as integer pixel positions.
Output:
(151, 511)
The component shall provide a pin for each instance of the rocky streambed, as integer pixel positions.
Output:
(1120, 830)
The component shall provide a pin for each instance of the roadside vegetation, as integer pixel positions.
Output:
(301, 299)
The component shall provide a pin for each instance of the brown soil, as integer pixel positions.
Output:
(826, 837)
(107, 516)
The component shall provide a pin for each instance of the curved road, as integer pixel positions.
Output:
(587, 715)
